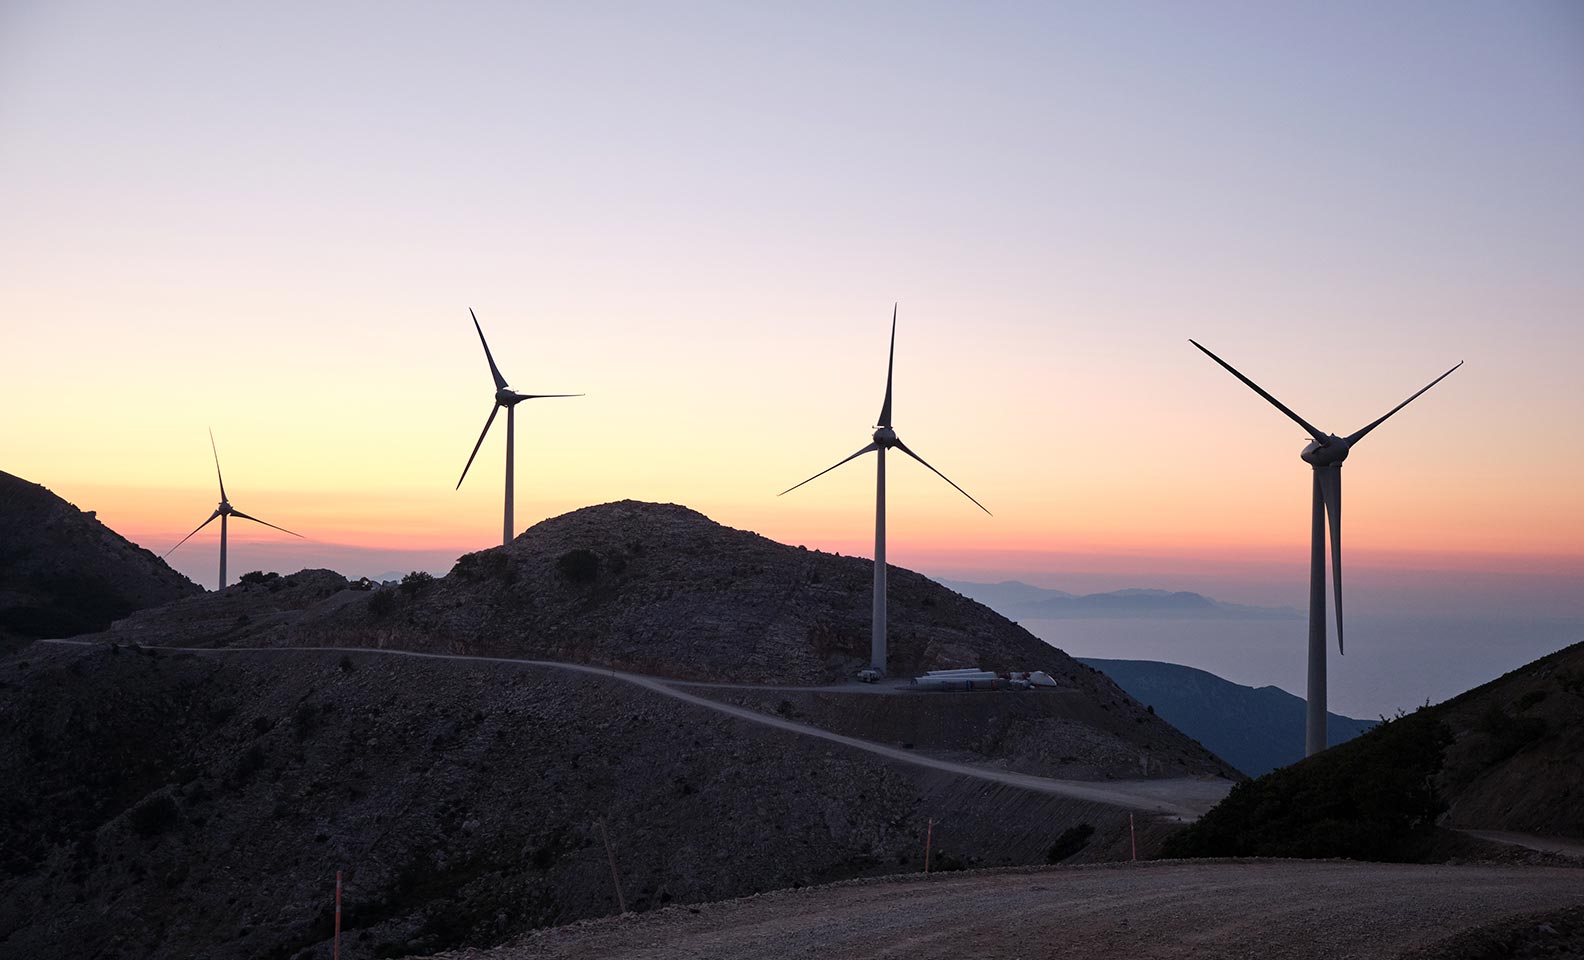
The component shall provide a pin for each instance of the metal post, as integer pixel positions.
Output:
(610, 855)
(929, 836)
(1133, 836)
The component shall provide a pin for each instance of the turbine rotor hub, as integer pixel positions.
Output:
(885, 436)
(505, 396)
(1327, 454)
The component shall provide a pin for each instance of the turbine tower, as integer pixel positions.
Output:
(884, 439)
(224, 511)
(504, 397)
(1325, 453)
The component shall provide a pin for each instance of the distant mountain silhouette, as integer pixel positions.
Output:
(1021, 601)
(62, 572)
(1256, 729)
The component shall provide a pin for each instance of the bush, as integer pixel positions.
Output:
(415, 582)
(579, 566)
(484, 565)
(382, 603)
(155, 815)
(1373, 798)
(1070, 842)
(257, 577)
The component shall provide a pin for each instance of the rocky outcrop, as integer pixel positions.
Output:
(62, 572)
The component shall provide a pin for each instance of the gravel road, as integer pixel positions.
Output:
(1208, 910)
(1182, 799)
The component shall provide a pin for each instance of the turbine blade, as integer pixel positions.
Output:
(547, 396)
(904, 448)
(217, 465)
(239, 513)
(885, 408)
(1331, 490)
(190, 535)
(1360, 435)
(1319, 437)
(872, 446)
(500, 381)
(493, 410)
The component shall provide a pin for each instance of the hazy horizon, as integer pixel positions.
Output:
(273, 221)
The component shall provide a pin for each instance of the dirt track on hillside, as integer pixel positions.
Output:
(1180, 798)
(1253, 909)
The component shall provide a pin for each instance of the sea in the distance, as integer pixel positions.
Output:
(1391, 663)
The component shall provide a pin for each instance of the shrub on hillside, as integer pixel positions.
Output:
(1373, 798)
(1070, 842)
(579, 566)
(382, 603)
(415, 582)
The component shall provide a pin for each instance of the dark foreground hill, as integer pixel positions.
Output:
(62, 572)
(1256, 729)
(163, 804)
(1506, 756)
(166, 804)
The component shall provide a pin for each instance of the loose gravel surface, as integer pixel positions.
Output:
(1249, 909)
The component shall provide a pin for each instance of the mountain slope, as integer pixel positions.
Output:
(164, 804)
(1254, 729)
(1505, 756)
(664, 591)
(62, 572)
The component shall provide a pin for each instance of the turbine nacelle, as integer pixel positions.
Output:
(508, 397)
(1328, 453)
(885, 437)
(225, 509)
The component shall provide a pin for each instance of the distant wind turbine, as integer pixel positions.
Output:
(224, 511)
(884, 439)
(1325, 453)
(508, 398)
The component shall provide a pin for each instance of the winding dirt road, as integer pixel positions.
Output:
(1324, 910)
(1182, 799)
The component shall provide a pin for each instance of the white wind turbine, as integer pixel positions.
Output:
(884, 439)
(508, 398)
(224, 511)
(1325, 453)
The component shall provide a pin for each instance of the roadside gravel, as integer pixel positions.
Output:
(1249, 909)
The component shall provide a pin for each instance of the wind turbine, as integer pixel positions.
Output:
(1325, 453)
(884, 439)
(224, 511)
(504, 397)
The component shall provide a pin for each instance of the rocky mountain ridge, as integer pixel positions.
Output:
(63, 572)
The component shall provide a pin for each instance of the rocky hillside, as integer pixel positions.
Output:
(658, 589)
(663, 590)
(163, 804)
(1516, 761)
(62, 572)
(1505, 756)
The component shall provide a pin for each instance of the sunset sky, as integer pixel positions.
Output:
(271, 220)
